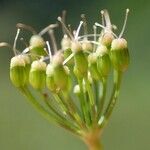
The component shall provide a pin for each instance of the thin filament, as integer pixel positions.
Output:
(51, 26)
(15, 41)
(4, 44)
(94, 42)
(64, 12)
(95, 32)
(51, 33)
(65, 28)
(49, 50)
(78, 30)
(107, 19)
(26, 27)
(84, 24)
(68, 58)
(102, 16)
(125, 22)
(88, 35)
(105, 28)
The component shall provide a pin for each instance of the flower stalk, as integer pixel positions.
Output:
(92, 140)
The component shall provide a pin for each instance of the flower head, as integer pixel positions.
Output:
(69, 78)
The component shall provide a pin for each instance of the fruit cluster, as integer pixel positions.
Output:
(72, 81)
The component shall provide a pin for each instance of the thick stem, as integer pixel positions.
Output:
(92, 140)
(96, 145)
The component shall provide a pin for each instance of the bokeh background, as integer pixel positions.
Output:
(21, 127)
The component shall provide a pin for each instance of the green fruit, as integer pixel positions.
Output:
(50, 78)
(92, 60)
(37, 44)
(61, 78)
(119, 54)
(103, 65)
(18, 74)
(103, 60)
(81, 64)
(37, 75)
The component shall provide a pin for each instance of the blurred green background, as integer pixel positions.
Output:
(22, 128)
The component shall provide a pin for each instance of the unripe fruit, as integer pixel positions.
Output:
(37, 75)
(37, 44)
(92, 60)
(103, 61)
(119, 54)
(18, 71)
(81, 63)
(107, 39)
(61, 77)
(50, 78)
(27, 61)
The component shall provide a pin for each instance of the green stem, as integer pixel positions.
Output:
(102, 97)
(96, 91)
(91, 98)
(66, 107)
(84, 104)
(48, 102)
(72, 116)
(48, 116)
(114, 96)
(72, 109)
(60, 102)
